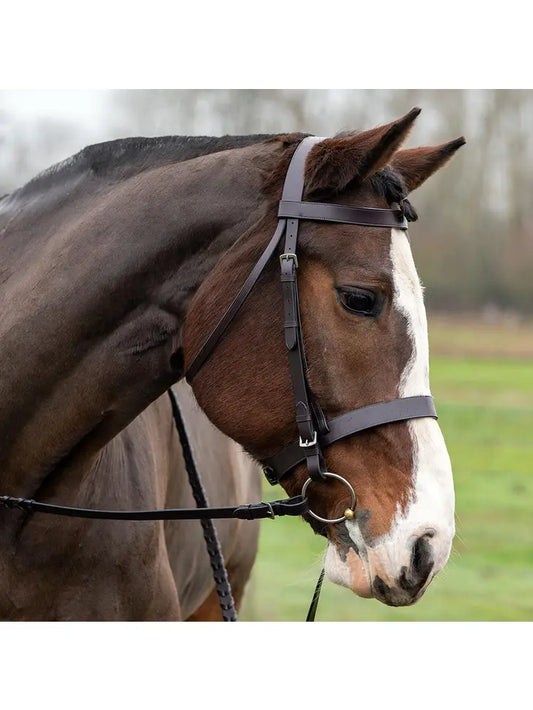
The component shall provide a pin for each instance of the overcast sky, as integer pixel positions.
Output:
(83, 106)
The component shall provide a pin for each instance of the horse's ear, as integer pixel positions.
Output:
(335, 163)
(415, 165)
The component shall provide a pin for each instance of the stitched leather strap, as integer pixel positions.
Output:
(218, 331)
(294, 179)
(305, 419)
(324, 212)
(290, 506)
(357, 420)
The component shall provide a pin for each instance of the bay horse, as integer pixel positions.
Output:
(116, 264)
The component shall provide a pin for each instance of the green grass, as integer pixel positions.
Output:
(486, 414)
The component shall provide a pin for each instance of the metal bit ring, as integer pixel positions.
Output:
(346, 483)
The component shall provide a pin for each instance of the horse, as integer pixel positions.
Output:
(142, 574)
(116, 265)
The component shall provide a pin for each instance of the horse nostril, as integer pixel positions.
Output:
(412, 579)
(422, 559)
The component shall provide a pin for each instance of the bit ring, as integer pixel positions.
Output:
(346, 483)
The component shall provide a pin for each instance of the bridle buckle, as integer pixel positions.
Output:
(307, 443)
(289, 255)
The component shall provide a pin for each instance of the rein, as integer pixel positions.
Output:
(315, 430)
(254, 511)
(296, 505)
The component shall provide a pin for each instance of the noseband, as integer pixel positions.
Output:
(315, 430)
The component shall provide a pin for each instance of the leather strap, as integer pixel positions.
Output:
(316, 596)
(292, 190)
(294, 179)
(305, 420)
(209, 530)
(218, 331)
(324, 212)
(357, 420)
(290, 506)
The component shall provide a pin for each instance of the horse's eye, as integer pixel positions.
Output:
(360, 301)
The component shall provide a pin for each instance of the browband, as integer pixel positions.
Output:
(324, 212)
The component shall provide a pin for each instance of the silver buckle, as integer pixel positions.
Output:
(305, 444)
(289, 255)
(271, 513)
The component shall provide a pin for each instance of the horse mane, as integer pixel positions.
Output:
(124, 157)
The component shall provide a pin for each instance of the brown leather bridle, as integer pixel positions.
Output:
(315, 430)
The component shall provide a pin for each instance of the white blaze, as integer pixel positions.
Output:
(431, 504)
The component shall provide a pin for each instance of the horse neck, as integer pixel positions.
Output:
(110, 271)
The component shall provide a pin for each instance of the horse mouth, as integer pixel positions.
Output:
(346, 568)
(360, 579)
(395, 596)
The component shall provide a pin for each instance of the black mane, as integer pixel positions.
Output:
(124, 157)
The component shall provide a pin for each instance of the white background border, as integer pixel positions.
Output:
(57, 45)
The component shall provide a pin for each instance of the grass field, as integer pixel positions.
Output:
(482, 381)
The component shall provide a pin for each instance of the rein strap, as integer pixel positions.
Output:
(253, 511)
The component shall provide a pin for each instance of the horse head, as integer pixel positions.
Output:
(365, 337)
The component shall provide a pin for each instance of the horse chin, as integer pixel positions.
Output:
(348, 571)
